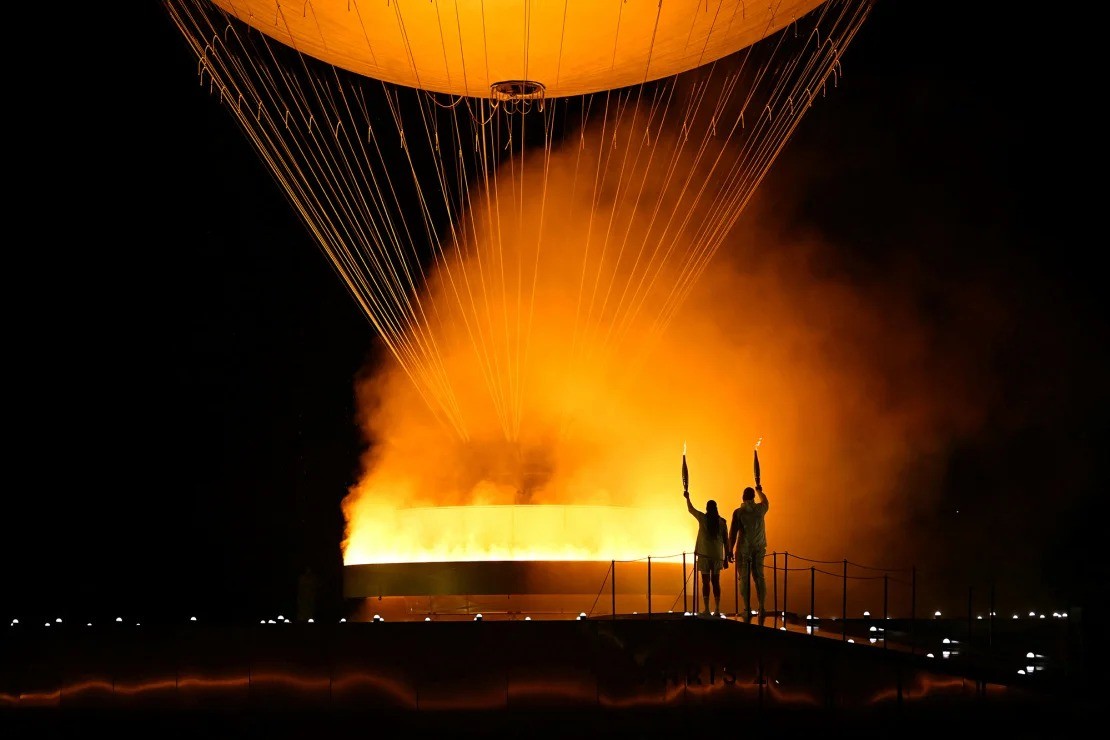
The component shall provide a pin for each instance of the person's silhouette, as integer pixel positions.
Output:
(747, 538)
(710, 550)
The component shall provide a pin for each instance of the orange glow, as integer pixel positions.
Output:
(32, 699)
(363, 683)
(198, 682)
(553, 532)
(462, 47)
(576, 404)
(923, 685)
(789, 696)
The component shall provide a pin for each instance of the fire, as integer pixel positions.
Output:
(525, 532)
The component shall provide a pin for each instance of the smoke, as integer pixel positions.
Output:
(577, 386)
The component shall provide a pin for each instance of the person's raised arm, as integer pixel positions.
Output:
(763, 497)
(689, 506)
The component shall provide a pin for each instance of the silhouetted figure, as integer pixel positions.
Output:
(306, 595)
(710, 550)
(748, 539)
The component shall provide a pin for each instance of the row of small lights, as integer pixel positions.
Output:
(937, 615)
(15, 622)
(582, 615)
(810, 628)
(283, 620)
(1032, 615)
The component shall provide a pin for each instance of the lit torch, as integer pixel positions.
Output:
(755, 452)
(685, 473)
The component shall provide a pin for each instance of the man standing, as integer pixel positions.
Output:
(747, 538)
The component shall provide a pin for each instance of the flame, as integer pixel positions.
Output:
(759, 441)
(517, 532)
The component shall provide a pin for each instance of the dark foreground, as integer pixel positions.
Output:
(593, 678)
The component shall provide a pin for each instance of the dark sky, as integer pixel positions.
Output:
(181, 356)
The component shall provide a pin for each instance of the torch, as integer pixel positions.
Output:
(685, 473)
(754, 452)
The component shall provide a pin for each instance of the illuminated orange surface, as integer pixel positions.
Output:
(539, 532)
(463, 46)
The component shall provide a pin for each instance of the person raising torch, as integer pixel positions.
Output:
(748, 540)
(710, 553)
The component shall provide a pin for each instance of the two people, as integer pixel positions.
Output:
(744, 541)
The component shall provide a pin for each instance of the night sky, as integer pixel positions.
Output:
(181, 357)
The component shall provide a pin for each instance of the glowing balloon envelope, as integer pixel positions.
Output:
(465, 47)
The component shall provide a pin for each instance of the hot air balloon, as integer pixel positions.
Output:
(420, 141)
(476, 49)
(416, 139)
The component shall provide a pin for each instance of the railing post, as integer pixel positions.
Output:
(649, 586)
(684, 583)
(694, 596)
(613, 584)
(775, 588)
(913, 611)
(812, 597)
(969, 617)
(990, 624)
(886, 593)
(844, 604)
(785, 585)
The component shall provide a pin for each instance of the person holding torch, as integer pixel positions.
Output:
(710, 548)
(747, 538)
(710, 553)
